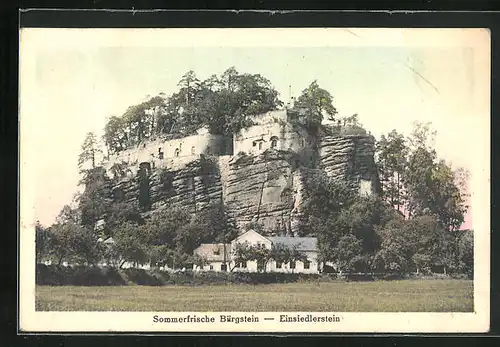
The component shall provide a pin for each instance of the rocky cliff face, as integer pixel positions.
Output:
(266, 188)
(194, 187)
(349, 158)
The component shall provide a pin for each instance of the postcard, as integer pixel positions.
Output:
(268, 180)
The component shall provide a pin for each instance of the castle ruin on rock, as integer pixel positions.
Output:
(258, 175)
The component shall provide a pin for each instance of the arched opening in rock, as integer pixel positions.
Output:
(177, 152)
(146, 167)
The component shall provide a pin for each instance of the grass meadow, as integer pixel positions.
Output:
(425, 295)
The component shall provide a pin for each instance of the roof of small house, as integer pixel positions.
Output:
(213, 251)
(302, 243)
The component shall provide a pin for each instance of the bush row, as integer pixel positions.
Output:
(107, 276)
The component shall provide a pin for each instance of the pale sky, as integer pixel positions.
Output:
(72, 80)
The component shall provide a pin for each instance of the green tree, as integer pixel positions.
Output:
(96, 197)
(43, 242)
(214, 223)
(241, 253)
(90, 151)
(188, 83)
(116, 135)
(68, 215)
(63, 238)
(318, 102)
(162, 226)
(392, 153)
(345, 252)
(466, 252)
(130, 244)
(415, 244)
(87, 250)
(422, 136)
(118, 213)
(432, 189)
(396, 251)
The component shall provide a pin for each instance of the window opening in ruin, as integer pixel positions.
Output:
(292, 265)
(254, 144)
(146, 167)
(244, 264)
(176, 153)
(160, 153)
(223, 267)
(260, 145)
(192, 150)
(279, 264)
(274, 142)
(211, 267)
(307, 264)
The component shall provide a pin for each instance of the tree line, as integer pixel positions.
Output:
(224, 104)
(412, 225)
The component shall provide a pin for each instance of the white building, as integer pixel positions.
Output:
(220, 257)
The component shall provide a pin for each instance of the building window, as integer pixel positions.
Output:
(279, 264)
(216, 252)
(260, 265)
(292, 265)
(160, 154)
(254, 144)
(223, 267)
(274, 142)
(241, 264)
(307, 264)
(192, 150)
(211, 267)
(260, 145)
(177, 152)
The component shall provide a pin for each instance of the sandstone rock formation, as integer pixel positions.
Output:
(349, 158)
(266, 187)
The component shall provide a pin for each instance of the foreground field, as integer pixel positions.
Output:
(381, 296)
